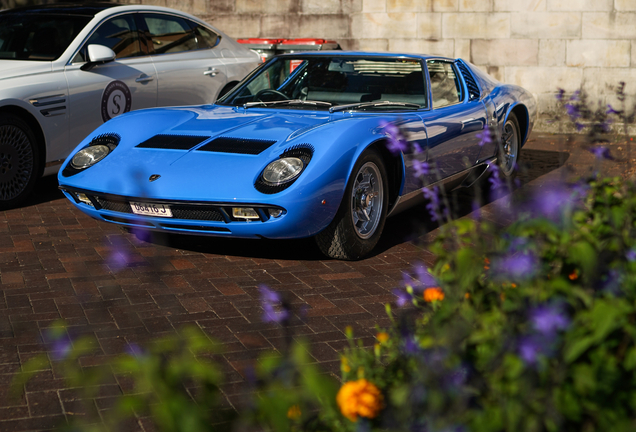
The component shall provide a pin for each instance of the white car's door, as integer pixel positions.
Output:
(107, 90)
(188, 69)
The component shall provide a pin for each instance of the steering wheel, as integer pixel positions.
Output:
(270, 91)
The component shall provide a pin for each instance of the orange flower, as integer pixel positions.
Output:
(513, 285)
(382, 337)
(467, 295)
(359, 398)
(294, 412)
(433, 294)
(574, 275)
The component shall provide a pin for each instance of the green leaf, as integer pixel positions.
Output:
(574, 350)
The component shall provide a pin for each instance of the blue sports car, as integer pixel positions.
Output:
(299, 149)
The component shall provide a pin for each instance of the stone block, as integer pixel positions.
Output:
(442, 48)
(270, 7)
(320, 6)
(322, 26)
(351, 6)
(429, 25)
(546, 25)
(236, 26)
(552, 52)
(476, 25)
(373, 6)
(633, 53)
(445, 5)
(462, 49)
(625, 5)
(200, 7)
(381, 45)
(409, 5)
(580, 5)
(601, 83)
(615, 25)
(182, 5)
(476, 5)
(157, 3)
(384, 25)
(505, 52)
(541, 79)
(278, 26)
(602, 53)
(520, 5)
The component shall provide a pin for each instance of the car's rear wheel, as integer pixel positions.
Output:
(19, 161)
(359, 222)
(509, 150)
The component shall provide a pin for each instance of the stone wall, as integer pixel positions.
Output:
(541, 45)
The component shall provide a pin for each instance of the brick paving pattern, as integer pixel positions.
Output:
(56, 263)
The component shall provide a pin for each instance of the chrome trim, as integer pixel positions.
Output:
(38, 102)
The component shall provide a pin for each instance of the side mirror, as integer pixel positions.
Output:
(98, 54)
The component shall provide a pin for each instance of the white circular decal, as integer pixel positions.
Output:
(116, 100)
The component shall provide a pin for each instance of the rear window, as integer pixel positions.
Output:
(37, 37)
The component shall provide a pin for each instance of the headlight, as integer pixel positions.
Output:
(282, 171)
(89, 156)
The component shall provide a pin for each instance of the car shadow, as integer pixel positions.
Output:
(404, 227)
(45, 190)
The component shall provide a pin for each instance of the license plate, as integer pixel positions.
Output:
(148, 209)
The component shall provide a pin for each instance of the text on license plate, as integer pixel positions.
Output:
(149, 209)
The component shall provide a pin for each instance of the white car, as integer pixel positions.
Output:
(66, 69)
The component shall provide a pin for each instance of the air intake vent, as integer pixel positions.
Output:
(237, 145)
(473, 88)
(173, 142)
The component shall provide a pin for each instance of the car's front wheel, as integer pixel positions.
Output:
(359, 222)
(19, 161)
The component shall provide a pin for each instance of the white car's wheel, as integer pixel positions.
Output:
(19, 161)
(358, 225)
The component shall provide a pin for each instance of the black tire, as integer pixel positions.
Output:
(349, 236)
(509, 152)
(19, 161)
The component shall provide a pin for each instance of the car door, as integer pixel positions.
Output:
(188, 69)
(107, 90)
(453, 122)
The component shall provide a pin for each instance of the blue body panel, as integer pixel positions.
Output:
(226, 179)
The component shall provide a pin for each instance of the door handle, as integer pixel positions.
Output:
(144, 78)
(211, 72)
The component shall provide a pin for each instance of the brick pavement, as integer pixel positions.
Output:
(56, 263)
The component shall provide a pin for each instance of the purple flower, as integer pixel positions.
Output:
(495, 177)
(410, 345)
(61, 348)
(547, 320)
(273, 310)
(119, 256)
(560, 94)
(417, 149)
(611, 110)
(631, 255)
(403, 298)
(601, 152)
(550, 203)
(484, 137)
(515, 266)
(425, 278)
(396, 143)
(134, 350)
(421, 168)
(433, 206)
(611, 282)
(529, 349)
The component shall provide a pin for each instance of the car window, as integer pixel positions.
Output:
(169, 34)
(445, 85)
(335, 80)
(205, 37)
(119, 34)
(37, 37)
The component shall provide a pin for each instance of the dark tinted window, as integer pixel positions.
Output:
(118, 34)
(206, 38)
(169, 34)
(37, 37)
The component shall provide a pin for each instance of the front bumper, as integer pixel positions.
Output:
(203, 217)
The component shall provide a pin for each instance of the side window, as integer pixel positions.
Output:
(169, 34)
(118, 34)
(445, 84)
(206, 38)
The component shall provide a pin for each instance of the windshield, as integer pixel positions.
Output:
(335, 81)
(37, 37)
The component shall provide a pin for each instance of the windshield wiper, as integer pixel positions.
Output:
(373, 105)
(287, 102)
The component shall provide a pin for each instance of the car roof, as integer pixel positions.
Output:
(83, 9)
(338, 53)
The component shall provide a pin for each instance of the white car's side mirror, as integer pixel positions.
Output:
(98, 54)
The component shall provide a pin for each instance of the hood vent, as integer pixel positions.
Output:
(173, 142)
(237, 145)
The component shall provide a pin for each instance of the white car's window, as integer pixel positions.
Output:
(119, 34)
(206, 38)
(169, 34)
(41, 37)
(445, 85)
